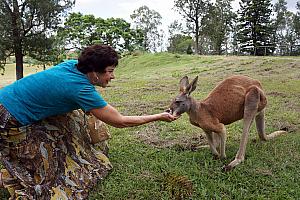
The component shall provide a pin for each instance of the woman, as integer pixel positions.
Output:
(67, 87)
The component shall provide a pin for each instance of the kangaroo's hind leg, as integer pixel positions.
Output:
(260, 125)
(252, 100)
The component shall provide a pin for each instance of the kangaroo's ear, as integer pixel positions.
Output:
(192, 86)
(183, 84)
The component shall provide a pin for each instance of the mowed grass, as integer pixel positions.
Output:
(9, 75)
(145, 157)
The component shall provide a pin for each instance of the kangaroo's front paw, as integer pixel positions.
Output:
(227, 168)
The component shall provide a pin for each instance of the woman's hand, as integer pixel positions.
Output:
(165, 116)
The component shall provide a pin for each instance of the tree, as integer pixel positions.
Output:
(285, 33)
(194, 12)
(175, 28)
(234, 37)
(179, 41)
(297, 20)
(180, 44)
(280, 9)
(119, 35)
(218, 24)
(81, 30)
(25, 23)
(291, 34)
(254, 27)
(148, 21)
(44, 51)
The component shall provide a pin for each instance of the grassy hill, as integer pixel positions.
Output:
(160, 160)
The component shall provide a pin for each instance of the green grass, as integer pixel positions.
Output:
(10, 73)
(143, 156)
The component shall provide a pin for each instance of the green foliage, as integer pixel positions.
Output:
(194, 12)
(78, 30)
(255, 28)
(175, 28)
(218, 24)
(297, 20)
(27, 26)
(280, 9)
(180, 44)
(81, 30)
(148, 22)
(44, 50)
(285, 32)
(189, 49)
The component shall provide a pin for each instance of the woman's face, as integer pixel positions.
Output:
(104, 78)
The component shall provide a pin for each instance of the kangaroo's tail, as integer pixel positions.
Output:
(275, 134)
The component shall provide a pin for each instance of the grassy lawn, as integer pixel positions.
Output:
(161, 160)
(10, 73)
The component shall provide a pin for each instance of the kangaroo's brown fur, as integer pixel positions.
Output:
(237, 97)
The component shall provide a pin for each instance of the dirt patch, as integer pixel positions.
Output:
(151, 136)
(264, 172)
(277, 94)
(285, 126)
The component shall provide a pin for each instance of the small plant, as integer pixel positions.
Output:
(179, 187)
(177, 56)
(189, 50)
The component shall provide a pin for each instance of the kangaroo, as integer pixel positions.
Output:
(237, 97)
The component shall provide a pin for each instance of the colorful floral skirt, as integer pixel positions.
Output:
(6, 119)
(54, 158)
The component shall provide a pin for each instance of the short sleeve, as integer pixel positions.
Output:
(88, 98)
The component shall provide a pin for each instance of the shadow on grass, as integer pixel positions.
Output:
(4, 194)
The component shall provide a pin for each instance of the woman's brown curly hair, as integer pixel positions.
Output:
(96, 58)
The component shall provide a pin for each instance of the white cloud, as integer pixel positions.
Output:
(124, 8)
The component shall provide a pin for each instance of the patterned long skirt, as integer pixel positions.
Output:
(54, 158)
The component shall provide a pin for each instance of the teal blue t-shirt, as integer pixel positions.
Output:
(54, 91)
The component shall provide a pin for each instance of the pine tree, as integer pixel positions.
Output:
(255, 31)
(297, 20)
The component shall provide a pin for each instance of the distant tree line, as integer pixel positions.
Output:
(257, 28)
(46, 31)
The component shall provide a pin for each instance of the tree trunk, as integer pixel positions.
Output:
(19, 63)
(197, 37)
(16, 21)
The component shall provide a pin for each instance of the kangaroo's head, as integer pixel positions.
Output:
(182, 102)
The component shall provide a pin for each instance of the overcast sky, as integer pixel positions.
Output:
(124, 8)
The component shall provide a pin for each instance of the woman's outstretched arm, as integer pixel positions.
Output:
(111, 116)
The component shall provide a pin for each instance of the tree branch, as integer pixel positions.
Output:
(6, 5)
